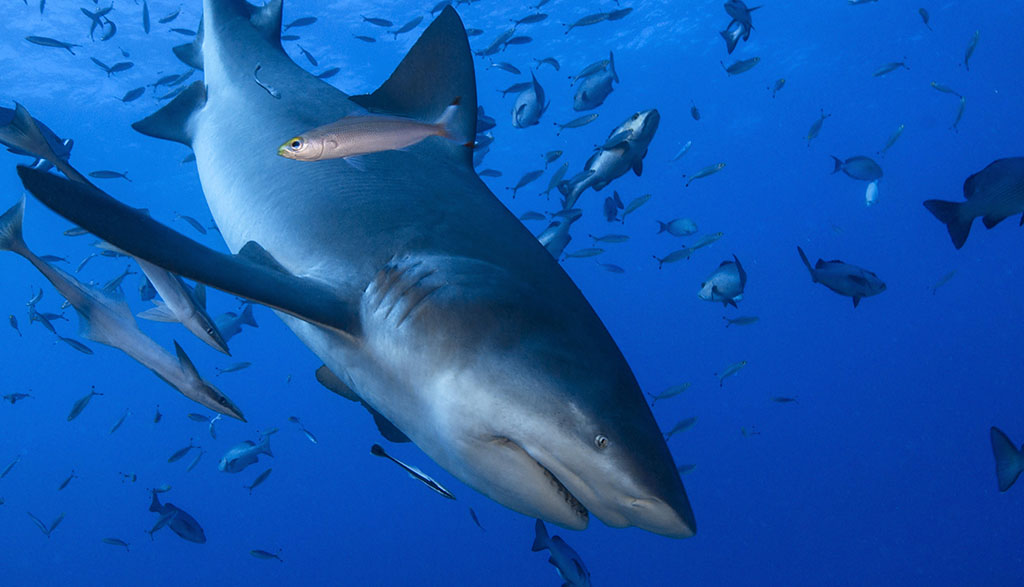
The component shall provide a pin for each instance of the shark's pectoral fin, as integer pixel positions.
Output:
(172, 121)
(254, 275)
(191, 54)
(437, 70)
(328, 379)
(199, 291)
(158, 313)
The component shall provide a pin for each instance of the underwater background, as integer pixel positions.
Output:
(880, 472)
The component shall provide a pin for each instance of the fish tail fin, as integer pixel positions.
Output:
(948, 213)
(807, 263)
(662, 226)
(611, 66)
(838, 164)
(448, 124)
(247, 317)
(23, 133)
(154, 505)
(265, 446)
(10, 229)
(1009, 460)
(541, 541)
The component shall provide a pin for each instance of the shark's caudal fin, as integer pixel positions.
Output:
(136, 233)
(948, 213)
(10, 228)
(1009, 460)
(172, 121)
(436, 71)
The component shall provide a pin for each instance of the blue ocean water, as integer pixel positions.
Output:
(881, 472)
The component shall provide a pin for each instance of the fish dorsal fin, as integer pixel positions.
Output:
(437, 70)
(821, 263)
(185, 362)
(328, 379)
(191, 54)
(267, 20)
(172, 121)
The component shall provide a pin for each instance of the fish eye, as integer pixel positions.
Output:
(601, 441)
(222, 401)
(296, 144)
(635, 116)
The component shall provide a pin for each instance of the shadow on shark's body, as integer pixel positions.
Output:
(417, 288)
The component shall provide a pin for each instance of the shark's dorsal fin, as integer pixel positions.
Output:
(172, 121)
(185, 362)
(267, 20)
(191, 54)
(437, 70)
(141, 236)
(199, 291)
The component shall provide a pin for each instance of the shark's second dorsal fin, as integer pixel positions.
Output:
(172, 121)
(434, 73)
(267, 20)
(191, 54)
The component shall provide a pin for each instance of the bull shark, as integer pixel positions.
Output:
(104, 317)
(408, 278)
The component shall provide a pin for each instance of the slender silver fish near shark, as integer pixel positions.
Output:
(412, 282)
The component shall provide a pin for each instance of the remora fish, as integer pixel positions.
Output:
(105, 318)
(843, 278)
(352, 275)
(725, 284)
(994, 193)
(612, 162)
(413, 472)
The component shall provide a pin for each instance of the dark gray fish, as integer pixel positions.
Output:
(945, 89)
(567, 561)
(413, 472)
(186, 32)
(588, 20)
(76, 345)
(994, 193)
(725, 284)
(178, 520)
(858, 167)
(327, 73)
(145, 16)
(198, 417)
(971, 46)
(8, 468)
(741, 66)
(170, 16)
(53, 258)
(114, 284)
(548, 61)
(109, 30)
(133, 95)
(681, 426)
(195, 461)
(309, 56)
(300, 22)
(619, 14)
(843, 278)
(408, 26)
(611, 268)
(262, 554)
(576, 122)
(530, 215)
(192, 222)
(556, 178)
(67, 480)
(181, 452)
(530, 19)
(527, 178)
(381, 22)
(107, 174)
(365, 39)
(48, 42)
(815, 129)
(476, 520)
(740, 320)
(14, 324)
(925, 17)
(157, 416)
(259, 479)
(76, 232)
(80, 404)
(781, 399)
(511, 69)
(474, 32)
(84, 261)
(520, 40)
(589, 70)
(694, 113)
(709, 170)
(959, 114)
(490, 173)
(120, 421)
(116, 542)
(516, 88)
(779, 83)
(233, 367)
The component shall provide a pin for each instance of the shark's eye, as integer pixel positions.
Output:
(222, 401)
(296, 144)
(209, 331)
(601, 441)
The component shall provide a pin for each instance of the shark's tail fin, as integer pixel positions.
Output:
(1009, 460)
(807, 264)
(541, 541)
(247, 317)
(948, 213)
(10, 228)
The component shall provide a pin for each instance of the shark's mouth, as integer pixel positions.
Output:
(574, 504)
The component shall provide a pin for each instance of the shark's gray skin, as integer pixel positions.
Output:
(594, 88)
(104, 317)
(180, 303)
(725, 284)
(529, 105)
(408, 278)
(628, 151)
(843, 278)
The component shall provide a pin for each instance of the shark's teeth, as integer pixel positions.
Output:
(569, 497)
